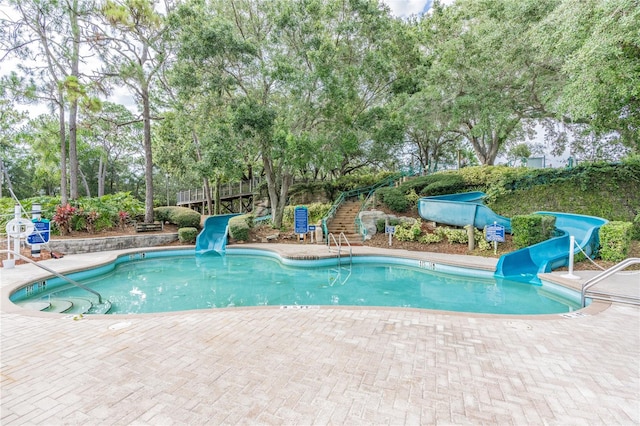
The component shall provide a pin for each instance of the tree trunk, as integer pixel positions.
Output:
(73, 151)
(85, 183)
(148, 165)
(73, 108)
(102, 173)
(64, 199)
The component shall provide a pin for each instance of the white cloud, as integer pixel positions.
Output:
(404, 8)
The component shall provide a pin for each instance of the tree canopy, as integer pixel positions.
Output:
(315, 89)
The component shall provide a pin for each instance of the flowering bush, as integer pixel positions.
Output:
(123, 217)
(63, 217)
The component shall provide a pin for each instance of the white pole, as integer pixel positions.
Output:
(570, 275)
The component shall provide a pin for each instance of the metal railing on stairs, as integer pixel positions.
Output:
(606, 274)
(369, 191)
(57, 274)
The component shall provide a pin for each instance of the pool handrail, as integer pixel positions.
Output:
(339, 246)
(57, 274)
(606, 274)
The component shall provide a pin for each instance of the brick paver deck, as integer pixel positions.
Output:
(317, 366)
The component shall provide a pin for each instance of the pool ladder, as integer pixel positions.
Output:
(340, 268)
(620, 298)
(100, 306)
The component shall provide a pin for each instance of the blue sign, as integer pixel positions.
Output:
(40, 234)
(301, 220)
(495, 233)
(312, 228)
(390, 230)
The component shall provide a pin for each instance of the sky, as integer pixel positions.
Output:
(403, 8)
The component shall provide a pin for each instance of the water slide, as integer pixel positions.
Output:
(553, 253)
(461, 210)
(466, 208)
(213, 236)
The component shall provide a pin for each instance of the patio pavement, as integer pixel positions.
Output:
(318, 365)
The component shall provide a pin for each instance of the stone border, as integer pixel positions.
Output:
(90, 245)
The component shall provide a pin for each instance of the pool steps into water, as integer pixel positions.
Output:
(70, 305)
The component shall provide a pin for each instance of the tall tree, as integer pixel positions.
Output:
(134, 50)
(50, 35)
(483, 63)
(595, 47)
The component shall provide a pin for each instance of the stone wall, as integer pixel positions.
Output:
(90, 245)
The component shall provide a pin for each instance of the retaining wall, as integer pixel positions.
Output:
(90, 245)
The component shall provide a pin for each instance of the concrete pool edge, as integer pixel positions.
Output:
(23, 275)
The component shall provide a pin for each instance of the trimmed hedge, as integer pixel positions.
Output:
(187, 235)
(615, 240)
(532, 229)
(239, 227)
(181, 216)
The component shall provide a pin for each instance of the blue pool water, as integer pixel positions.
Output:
(156, 282)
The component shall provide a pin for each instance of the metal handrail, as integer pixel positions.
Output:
(338, 244)
(606, 274)
(57, 274)
(354, 193)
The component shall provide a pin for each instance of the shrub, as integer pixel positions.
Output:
(316, 212)
(480, 238)
(635, 234)
(430, 238)
(407, 232)
(187, 235)
(615, 240)
(532, 229)
(448, 183)
(63, 218)
(454, 236)
(181, 216)
(239, 227)
(394, 198)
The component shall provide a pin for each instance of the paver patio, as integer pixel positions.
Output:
(317, 365)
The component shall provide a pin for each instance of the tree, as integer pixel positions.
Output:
(482, 63)
(134, 51)
(51, 35)
(595, 48)
(113, 133)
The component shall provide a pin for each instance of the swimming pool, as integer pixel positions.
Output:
(179, 280)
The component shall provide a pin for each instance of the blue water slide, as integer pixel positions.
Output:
(527, 263)
(213, 237)
(461, 210)
(524, 264)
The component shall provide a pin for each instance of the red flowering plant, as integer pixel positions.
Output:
(124, 218)
(63, 217)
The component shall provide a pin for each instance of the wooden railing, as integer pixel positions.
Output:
(227, 190)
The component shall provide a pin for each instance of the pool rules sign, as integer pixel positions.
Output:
(495, 233)
(301, 221)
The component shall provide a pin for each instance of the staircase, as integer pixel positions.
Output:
(345, 221)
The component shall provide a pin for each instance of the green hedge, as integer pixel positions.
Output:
(239, 227)
(187, 235)
(394, 198)
(181, 216)
(615, 240)
(532, 229)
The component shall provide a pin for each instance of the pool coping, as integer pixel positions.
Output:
(16, 278)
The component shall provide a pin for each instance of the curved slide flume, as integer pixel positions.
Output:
(528, 262)
(524, 264)
(461, 210)
(213, 237)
